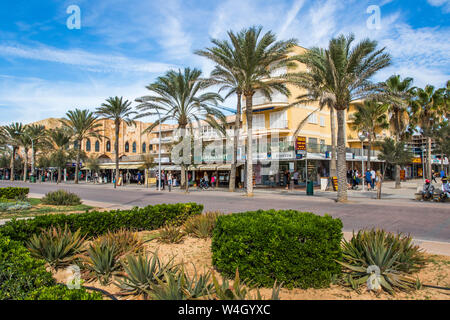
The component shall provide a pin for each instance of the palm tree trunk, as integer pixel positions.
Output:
(77, 162)
(116, 151)
(333, 143)
(25, 165)
(249, 116)
(429, 158)
(59, 176)
(341, 160)
(369, 149)
(398, 184)
(11, 174)
(237, 126)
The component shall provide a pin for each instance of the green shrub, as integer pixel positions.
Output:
(60, 292)
(298, 249)
(19, 272)
(14, 206)
(23, 277)
(96, 223)
(14, 192)
(61, 198)
(394, 255)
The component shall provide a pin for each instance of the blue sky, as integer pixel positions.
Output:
(123, 45)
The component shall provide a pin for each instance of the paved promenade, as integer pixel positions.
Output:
(396, 212)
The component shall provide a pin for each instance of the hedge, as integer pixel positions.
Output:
(297, 249)
(96, 223)
(13, 192)
(23, 277)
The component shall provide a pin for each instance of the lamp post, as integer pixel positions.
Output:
(362, 137)
(32, 155)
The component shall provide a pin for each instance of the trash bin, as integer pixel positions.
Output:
(310, 188)
(32, 179)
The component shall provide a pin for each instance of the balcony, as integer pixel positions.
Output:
(318, 148)
(163, 140)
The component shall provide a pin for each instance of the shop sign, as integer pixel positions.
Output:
(300, 143)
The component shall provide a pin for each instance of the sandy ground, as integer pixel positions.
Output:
(195, 254)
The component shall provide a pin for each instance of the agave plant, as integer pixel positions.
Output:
(141, 272)
(180, 286)
(171, 234)
(57, 246)
(202, 226)
(101, 261)
(239, 291)
(124, 241)
(385, 256)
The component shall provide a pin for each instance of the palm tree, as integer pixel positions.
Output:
(370, 117)
(394, 153)
(13, 134)
(25, 143)
(119, 111)
(396, 93)
(427, 109)
(316, 91)
(58, 141)
(257, 57)
(345, 71)
(226, 75)
(177, 96)
(36, 132)
(82, 124)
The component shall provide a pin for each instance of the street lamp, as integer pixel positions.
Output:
(362, 137)
(32, 154)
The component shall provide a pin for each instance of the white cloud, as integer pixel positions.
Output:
(81, 58)
(445, 4)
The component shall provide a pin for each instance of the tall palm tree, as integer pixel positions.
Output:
(427, 109)
(25, 143)
(370, 117)
(178, 96)
(119, 111)
(13, 134)
(82, 124)
(58, 141)
(257, 57)
(316, 91)
(396, 93)
(345, 70)
(226, 75)
(36, 132)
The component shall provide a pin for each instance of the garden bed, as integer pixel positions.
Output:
(196, 255)
(38, 208)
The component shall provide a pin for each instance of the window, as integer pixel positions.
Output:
(313, 118)
(127, 147)
(150, 147)
(88, 145)
(259, 121)
(108, 146)
(278, 120)
(97, 146)
(75, 145)
(322, 121)
(134, 147)
(144, 147)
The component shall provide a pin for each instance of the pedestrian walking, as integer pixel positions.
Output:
(295, 177)
(139, 177)
(373, 177)
(169, 181)
(213, 181)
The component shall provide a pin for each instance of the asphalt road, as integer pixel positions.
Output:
(427, 221)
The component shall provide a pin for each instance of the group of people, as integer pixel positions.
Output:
(371, 178)
(428, 190)
(167, 179)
